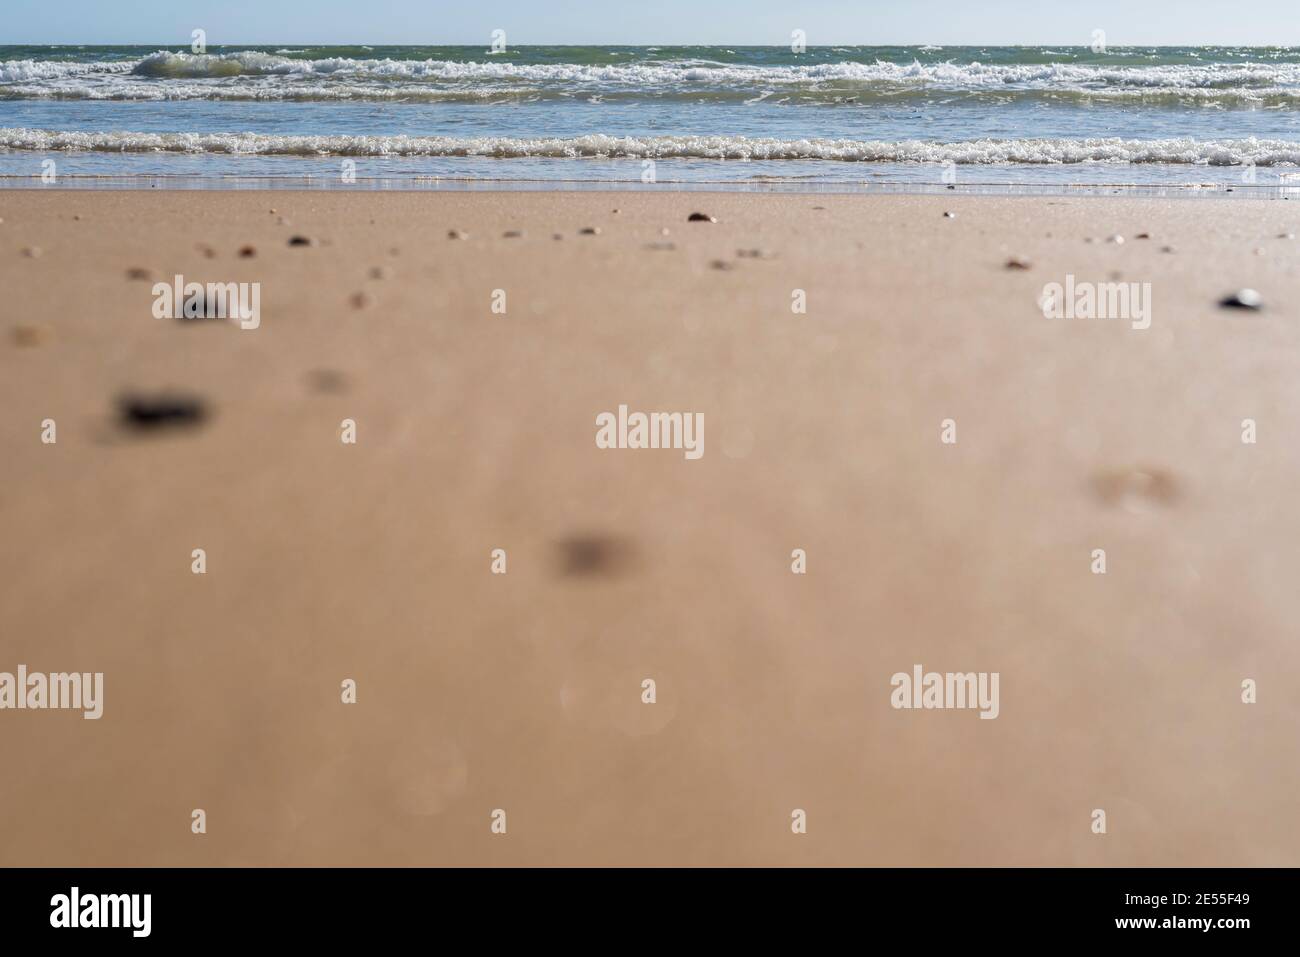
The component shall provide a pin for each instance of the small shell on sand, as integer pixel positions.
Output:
(32, 334)
(948, 214)
(1117, 239)
(701, 218)
(1243, 299)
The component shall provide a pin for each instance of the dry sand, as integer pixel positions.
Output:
(476, 431)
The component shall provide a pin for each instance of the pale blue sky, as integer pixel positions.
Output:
(977, 22)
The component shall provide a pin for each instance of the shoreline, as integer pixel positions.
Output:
(145, 182)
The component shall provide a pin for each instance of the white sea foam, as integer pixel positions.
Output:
(1181, 151)
(168, 75)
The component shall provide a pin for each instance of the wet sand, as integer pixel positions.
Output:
(476, 431)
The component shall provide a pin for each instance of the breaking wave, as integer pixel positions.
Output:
(1179, 151)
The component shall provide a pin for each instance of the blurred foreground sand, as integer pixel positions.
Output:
(476, 431)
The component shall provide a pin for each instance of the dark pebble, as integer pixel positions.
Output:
(247, 252)
(592, 556)
(701, 218)
(300, 241)
(149, 413)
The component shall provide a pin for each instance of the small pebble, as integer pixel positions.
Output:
(1279, 235)
(557, 235)
(589, 231)
(381, 272)
(512, 234)
(361, 300)
(1243, 299)
(32, 252)
(700, 218)
(300, 241)
(949, 215)
(135, 272)
(208, 251)
(594, 555)
(1015, 263)
(147, 413)
(247, 252)
(753, 254)
(327, 380)
(1117, 239)
(1166, 249)
(722, 264)
(1142, 236)
(456, 234)
(32, 335)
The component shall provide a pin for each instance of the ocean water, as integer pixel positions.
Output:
(743, 117)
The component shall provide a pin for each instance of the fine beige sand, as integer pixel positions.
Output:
(476, 431)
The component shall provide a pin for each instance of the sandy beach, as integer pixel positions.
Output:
(473, 363)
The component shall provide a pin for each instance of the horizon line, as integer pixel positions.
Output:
(642, 46)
